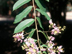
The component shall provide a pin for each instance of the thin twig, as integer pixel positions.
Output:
(26, 34)
(36, 25)
(45, 31)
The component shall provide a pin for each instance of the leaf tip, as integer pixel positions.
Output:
(13, 8)
(14, 23)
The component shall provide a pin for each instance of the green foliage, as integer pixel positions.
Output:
(47, 0)
(19, 3)
(44, 52)
(23, 14)
(43, 34)
(24, 24)
(35, 40)
(43, 13)
(32, 32)
(44, 45)
(40, 5)
(39, 21)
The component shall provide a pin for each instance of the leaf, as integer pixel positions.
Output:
(44, 45)
(19, 3)
(39, 21)
(39, 52)
(40, 41)
(23, 25)
(23, 14)
(47, 0)
(40, 4)
(44, 52)
(28, 30)
(32, 32)
(43, 34)
(35, 40)
(43, 13)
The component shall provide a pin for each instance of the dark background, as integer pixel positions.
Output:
(55, 7)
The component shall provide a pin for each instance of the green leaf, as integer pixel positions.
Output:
(28, 30)
(44, 52)
(35, 40)
(32, 32)
(24, 24)
(43, 34)
(43, 13)
(44, 45)
(47, 0)
(23, 14)
(19, 3)
(40, 41)
(40, 4)
(39, 21)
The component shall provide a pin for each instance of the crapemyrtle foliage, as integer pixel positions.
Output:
(28, 43)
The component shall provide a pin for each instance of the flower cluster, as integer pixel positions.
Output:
(18, 37)
(55, 30)
(30, 46)
(51, 46)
